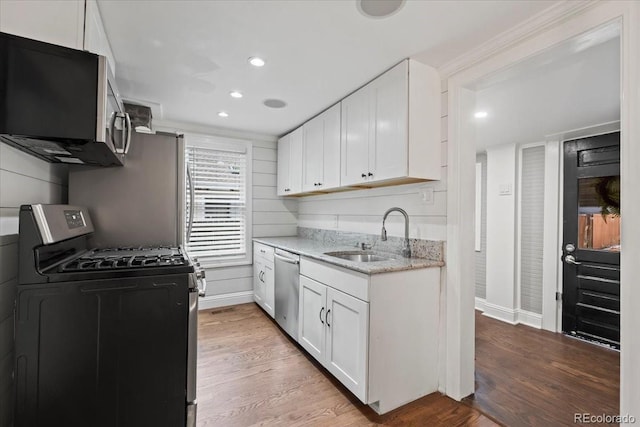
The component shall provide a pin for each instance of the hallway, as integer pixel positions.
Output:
(526, 376)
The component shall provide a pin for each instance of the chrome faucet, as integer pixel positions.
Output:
(406, 249)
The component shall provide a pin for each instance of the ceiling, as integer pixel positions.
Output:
(188, 55)
(571, 86)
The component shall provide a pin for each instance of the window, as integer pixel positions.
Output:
(218, 200)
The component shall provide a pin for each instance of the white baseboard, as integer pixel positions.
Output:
(508, 315)
(224, 300)
(530, 319)
(500, 313)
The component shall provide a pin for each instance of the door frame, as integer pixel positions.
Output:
(533, 37)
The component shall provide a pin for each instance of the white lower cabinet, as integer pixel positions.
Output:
(333, 328)
(264, 278)
(311, 317)
(347, 341)
(377, 334)
(258, 284)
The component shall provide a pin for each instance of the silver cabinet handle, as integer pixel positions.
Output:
(321, 310)
(326, 318)
(570, 259)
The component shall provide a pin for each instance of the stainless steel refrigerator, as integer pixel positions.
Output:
(141, 203)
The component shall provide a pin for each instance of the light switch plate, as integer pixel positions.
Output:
(427, 196)
(505, 189)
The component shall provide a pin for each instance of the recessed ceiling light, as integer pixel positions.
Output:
(480, 114)
(379, 8)
(235, 94)
(256, 62)
(223, 114)
(274, 103)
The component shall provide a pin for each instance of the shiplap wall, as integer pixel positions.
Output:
(23, 180)
(272, 216)
(361, 210)
(481, 255)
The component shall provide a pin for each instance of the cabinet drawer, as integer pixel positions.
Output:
(263, 251)
(348, 281)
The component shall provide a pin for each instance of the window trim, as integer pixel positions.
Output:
(238, 146)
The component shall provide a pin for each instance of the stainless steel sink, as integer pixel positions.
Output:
(359, 256)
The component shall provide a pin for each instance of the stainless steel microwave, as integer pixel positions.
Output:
(60, 104)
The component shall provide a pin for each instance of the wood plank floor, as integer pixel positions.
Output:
(528, 377)
(250, 373)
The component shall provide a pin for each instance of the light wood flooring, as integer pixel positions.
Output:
(250, 373)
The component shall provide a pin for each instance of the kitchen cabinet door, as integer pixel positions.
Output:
(289, 180)
(389, 149)
(312, 157)
(347, 340)
(258, 284)
(295, 161)
(284, 157)
(56, 22)
(321, 151)
(269, 289)
(331, 148)
(356, 133)
(311, 318)
(95, 37)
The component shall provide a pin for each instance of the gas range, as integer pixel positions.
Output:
(127, 313)
(54, 240)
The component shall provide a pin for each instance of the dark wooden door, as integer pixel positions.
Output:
(591, 239)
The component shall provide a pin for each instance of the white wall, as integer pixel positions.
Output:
(501, 214)
(361, 211)
(272, 215)
(23, 179)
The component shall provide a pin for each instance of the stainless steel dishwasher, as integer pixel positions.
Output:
(287, 289)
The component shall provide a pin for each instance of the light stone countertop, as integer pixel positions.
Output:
(315, 249)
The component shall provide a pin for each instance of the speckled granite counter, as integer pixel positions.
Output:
(315, 249)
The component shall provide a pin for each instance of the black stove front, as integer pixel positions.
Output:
(104, 337)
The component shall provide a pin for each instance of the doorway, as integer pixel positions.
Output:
(591, 239)
(458, 369)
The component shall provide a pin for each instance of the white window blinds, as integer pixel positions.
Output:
(217, 208)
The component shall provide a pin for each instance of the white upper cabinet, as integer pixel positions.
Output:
(356, 133)
(95, 37)
(66, 23)
(391, 128)
(290, 163)
(388, 149)
(385, 133)
(321, 151)
(57, 22)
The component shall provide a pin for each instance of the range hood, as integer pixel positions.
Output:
(60, 104)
